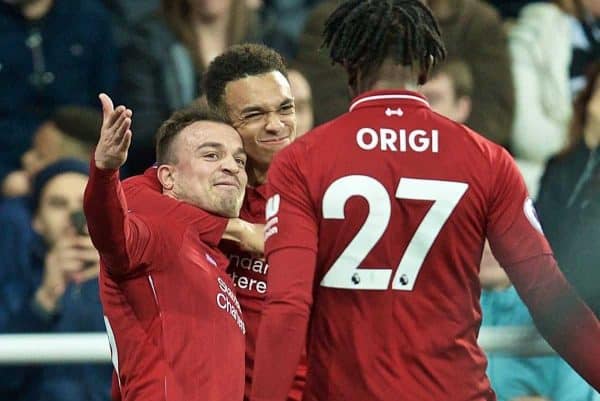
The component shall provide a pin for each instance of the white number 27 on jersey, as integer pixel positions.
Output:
(346, 272)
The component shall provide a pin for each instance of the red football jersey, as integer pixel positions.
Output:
(248, 271)
(174, 323)
(395, 202)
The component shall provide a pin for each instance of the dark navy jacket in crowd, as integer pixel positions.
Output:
(22, 254)
(65, 58)
(569, 209)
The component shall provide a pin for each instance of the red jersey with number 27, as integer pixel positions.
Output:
(396, 201)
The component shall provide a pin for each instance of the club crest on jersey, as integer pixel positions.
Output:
(401, 140)
(531, 214)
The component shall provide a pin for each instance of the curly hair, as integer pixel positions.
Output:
(239, 61)
(362, 34)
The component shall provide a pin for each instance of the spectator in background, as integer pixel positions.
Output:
(551, 45)
(126, 14)
(71, 131)
(302, 101)
(285, 21)
(449, 90)
(164, 62)
(471, 30)
(50, 285)
(330, 90)
(509, 8)
(53, 53)
(569, 199)
(515, 378)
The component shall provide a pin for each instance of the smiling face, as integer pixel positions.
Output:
(209, 171)
(262, 110)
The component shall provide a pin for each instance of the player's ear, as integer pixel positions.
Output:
(423, 75)
(166, 176)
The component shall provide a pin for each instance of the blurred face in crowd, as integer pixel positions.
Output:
(593, 107)
(210, 168)
(441, 95)
(592, 6)
(45, 149)
(592, 125)
(210, 9)
(61, 196)
(262, 110)
(303, 102)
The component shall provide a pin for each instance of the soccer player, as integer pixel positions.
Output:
(376, 223)
(248, 83)
(174, 323)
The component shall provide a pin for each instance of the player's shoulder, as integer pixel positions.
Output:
(317, 139)
(475, 144)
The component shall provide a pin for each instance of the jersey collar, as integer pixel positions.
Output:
(387, 97)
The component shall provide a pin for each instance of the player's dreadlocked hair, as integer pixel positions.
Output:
(361, 34)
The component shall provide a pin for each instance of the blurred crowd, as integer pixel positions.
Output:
(522, 73)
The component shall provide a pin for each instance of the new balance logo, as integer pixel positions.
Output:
(391, 112)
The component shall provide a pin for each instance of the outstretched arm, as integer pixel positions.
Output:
(119, 238)
(518, 243)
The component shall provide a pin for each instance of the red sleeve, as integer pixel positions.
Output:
(568, 325)
(120, 238)
(115, 391)
(282, 332)
(290, 248)
(513, 229)
(144, 195)
(290, 216)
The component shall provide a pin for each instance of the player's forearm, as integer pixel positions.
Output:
(562, 318)
(281, 338)
(282, 333)
(106, 212)
(250, 236)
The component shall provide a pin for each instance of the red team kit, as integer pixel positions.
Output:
(248, 271)
(392, 293)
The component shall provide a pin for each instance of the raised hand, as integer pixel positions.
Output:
(115, 135)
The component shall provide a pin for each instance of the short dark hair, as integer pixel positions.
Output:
(362, 34)
(180, 119)
(237, 62)
(44, 176)
(79, 123)
(460, 74)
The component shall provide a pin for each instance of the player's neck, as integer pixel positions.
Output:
(257, 175)
(389, 76)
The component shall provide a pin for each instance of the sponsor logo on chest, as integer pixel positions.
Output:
(248, 272)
